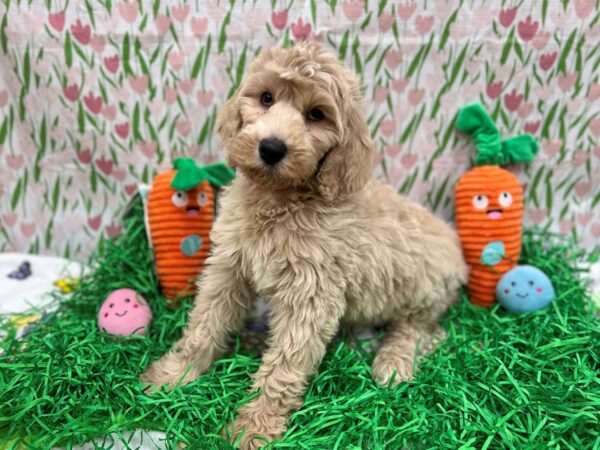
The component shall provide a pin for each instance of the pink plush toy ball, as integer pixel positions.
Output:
(124, 312)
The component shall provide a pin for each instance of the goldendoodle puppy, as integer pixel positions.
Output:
(305, 226)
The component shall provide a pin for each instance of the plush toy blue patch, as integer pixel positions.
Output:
(524, 289)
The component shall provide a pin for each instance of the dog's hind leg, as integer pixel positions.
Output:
(221, 305)
(416, 328)
(397, 356)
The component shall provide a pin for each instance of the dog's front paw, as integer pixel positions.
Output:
(168, 371)
(387, 366)
(256, 428)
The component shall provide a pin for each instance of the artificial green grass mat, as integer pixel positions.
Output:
(496, 381)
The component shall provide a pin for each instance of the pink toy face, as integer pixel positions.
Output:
(124, 312)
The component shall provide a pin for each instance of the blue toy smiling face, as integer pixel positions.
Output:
(524, 289)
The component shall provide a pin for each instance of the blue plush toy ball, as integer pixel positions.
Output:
(524, 289)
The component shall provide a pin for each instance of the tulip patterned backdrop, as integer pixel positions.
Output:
(97, 95)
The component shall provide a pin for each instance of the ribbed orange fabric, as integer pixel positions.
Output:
(477, 228)
(170, 225)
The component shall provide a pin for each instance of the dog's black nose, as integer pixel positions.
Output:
(272, 150)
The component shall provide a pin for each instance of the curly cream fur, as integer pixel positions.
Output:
(316, 236)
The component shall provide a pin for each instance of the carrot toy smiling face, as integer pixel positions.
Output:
(190, 202)
(489, 204)
(489, 197)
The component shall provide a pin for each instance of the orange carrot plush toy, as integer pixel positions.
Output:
(180, 214)
(489, 204)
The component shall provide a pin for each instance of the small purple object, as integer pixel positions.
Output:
(23, 272)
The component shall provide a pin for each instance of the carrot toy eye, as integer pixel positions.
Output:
(505, 199)
(179, 198)
(480, 201)
(202, 198)
(489, 204)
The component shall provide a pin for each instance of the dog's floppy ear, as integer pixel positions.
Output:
(229, 121)
(348, 166)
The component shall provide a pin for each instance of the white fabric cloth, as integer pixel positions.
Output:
(19, 296)
(138, 440)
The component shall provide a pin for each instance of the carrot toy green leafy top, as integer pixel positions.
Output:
(491, 149)
(189, 175)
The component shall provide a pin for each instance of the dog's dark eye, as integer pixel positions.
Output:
(315, 115)
(266, 99)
